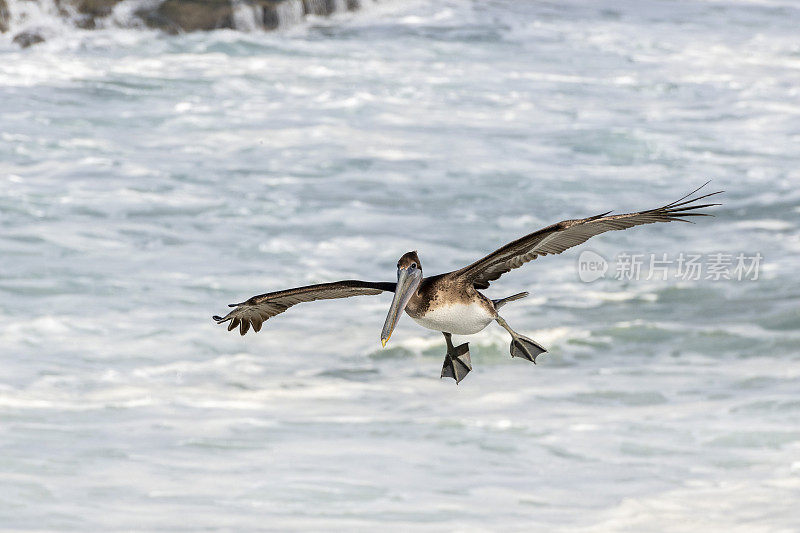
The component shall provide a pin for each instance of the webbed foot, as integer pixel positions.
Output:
(457, 362)
(522, 346)
(526, 348)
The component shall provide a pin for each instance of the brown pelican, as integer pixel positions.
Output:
(451, 303)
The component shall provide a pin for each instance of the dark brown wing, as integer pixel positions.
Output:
(259, 308)
(558, 237)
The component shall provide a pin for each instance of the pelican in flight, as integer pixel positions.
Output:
(452, 303)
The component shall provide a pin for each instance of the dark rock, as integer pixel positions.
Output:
(178, 16)
(85, 22)
(319, 7)
(84, 13)
(175, 16)
(4, 16)
(269, 18)
(95, 8)
(28, 38)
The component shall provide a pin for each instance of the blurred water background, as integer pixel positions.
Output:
(148, 180)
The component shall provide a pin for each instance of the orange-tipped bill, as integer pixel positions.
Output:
(408, 280)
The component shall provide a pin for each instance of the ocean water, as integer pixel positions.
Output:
(146, 181)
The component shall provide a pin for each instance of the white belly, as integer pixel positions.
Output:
(459, 319)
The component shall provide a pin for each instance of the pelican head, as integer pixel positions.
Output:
(409, 275)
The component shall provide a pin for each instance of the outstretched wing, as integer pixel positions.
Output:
(558, 237)
(259, 308)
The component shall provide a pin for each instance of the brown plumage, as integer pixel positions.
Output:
(265, 306)
(429, 296)
(568, 233)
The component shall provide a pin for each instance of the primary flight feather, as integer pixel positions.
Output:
(451, 302)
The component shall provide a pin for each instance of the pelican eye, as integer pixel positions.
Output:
(413, 265)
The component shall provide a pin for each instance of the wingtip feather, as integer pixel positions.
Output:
(688, 195)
